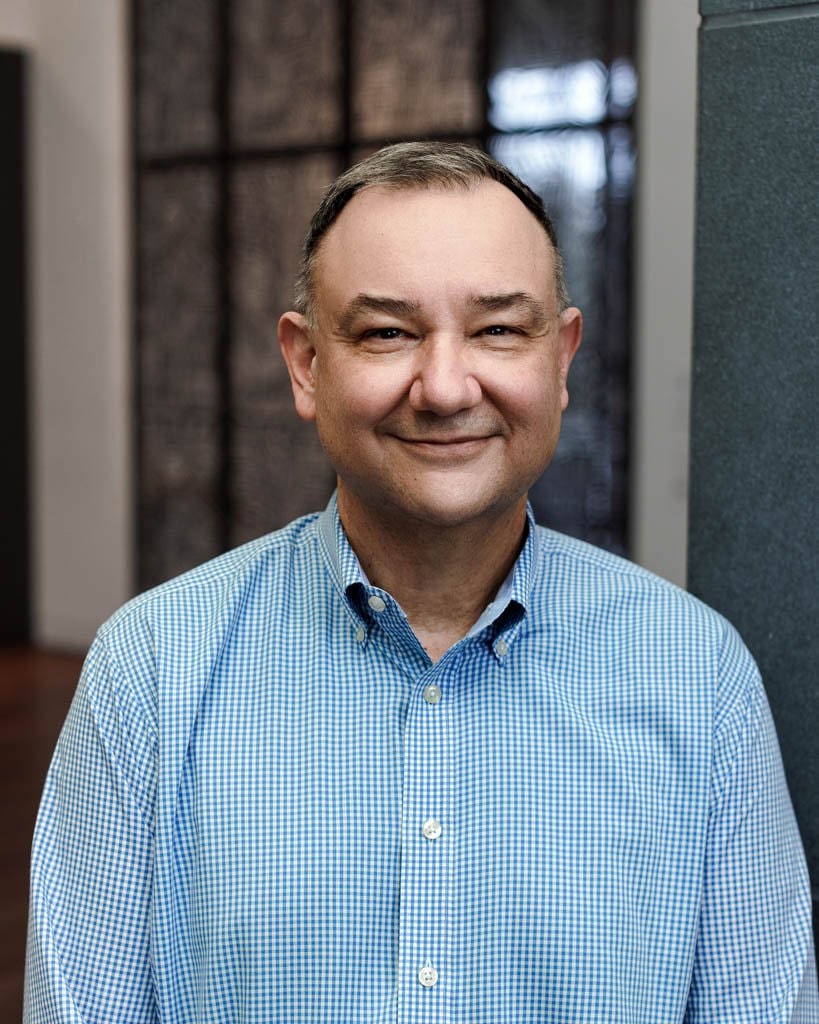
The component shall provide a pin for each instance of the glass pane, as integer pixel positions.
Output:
(539, 97)
(416, 68)
(568, 170)
(286, 72)
(179, 397)
(176, 61)
(583, 491)
(278, 468)
(560, 64)
(533, 34)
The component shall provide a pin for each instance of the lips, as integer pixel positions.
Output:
(439, 449)
(444, 440)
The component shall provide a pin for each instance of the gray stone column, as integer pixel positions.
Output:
(753, 539)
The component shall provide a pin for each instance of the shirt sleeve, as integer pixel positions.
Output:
(88, 941)
(754, 958)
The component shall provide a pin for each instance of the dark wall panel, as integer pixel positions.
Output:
(278, 468)
(177, 51)
(287, 73)
(180, 396)
(753, 551)
(14, 537)
(404, 84)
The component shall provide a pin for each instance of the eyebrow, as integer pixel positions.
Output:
(409, 308)
(509, 300)
(399, 308)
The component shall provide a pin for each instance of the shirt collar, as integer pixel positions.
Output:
(515, 590)
(344, 565)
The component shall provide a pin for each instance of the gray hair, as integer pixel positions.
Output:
(417, 165)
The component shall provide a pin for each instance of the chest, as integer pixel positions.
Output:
(339, 832)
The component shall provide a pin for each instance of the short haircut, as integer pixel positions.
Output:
(417, 165)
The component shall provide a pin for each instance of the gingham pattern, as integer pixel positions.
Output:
(231, 828)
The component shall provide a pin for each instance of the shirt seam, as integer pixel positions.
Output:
(115, 760)
(746, 697)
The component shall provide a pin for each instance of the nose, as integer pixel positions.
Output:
(443, 382)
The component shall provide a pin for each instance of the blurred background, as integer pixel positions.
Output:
(172, 155)
(161, 159)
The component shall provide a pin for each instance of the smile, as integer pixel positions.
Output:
(446, 445)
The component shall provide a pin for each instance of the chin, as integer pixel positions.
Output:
(453, 511)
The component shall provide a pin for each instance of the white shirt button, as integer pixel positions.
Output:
(427, 976)
(501, 648)
(360, 635)
(432, 693)
(376, 603)
(431, 829)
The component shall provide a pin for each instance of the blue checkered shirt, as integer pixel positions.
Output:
(267, 805)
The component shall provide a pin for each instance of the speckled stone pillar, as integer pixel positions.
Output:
(753, 543)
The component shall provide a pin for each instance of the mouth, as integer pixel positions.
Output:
(466, 439)
(446, 446)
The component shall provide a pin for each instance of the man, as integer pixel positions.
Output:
(416, 758)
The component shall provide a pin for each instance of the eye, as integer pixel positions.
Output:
(498, 331)
(385, 333)
(386, 339)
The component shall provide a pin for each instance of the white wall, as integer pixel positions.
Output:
(80, 349)
(15, 22)
(666, 134)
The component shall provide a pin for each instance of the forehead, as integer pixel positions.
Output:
(427, 242)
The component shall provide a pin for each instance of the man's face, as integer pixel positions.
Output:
(436, 372)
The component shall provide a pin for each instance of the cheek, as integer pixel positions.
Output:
(530, 405)
(361, 392)
(346, 404)
(528, 388)
(548, 394)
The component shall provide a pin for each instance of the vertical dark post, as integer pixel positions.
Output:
(615, 298)
(15, 583)
(485, 67)
(753, 551)
(223, 251)
(346, 27)
(135, 393)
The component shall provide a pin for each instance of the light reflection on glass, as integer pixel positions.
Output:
(622, 88)
(539, 97)
(621, 161)
(545, 161)
(579, 93)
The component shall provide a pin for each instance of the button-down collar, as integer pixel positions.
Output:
(497, 625)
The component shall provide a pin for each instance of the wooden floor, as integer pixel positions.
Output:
(35, 691)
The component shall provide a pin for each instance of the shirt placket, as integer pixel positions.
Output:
(426, 843)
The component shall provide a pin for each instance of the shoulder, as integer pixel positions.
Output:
(212, 589)
(606, 600)
(152, 661)
(178, 628)
(582, 573)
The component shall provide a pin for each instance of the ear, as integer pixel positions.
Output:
(299, 353)
(569, 334)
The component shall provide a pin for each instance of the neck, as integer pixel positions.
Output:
(442, 576)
